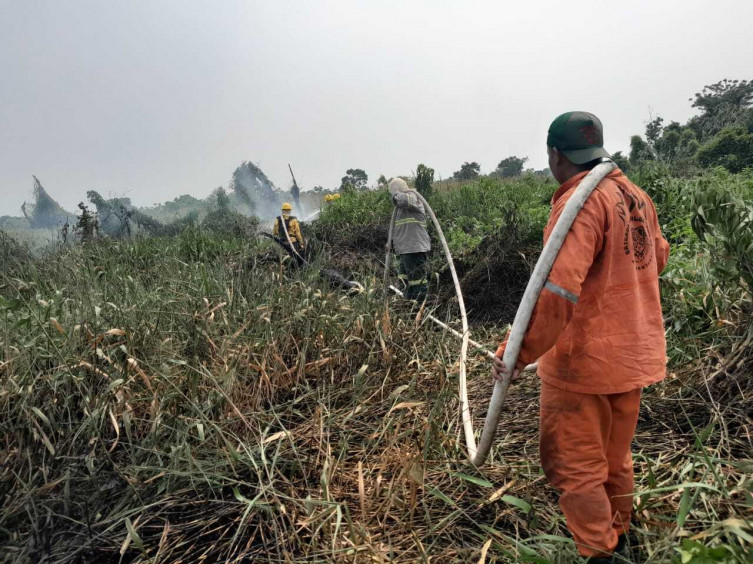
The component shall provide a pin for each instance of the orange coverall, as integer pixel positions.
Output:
(598, 331)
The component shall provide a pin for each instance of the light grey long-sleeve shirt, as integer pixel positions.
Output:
(410, 235)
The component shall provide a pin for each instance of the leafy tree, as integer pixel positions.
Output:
(653, 131)
(424, 180)
(678, 147)
(354, 179)
(639, 151)
(468, 171)
(674, 145)
(621, 161)
(725, 103)
(87, 225)
(732, 149)
(229, 222)
(223, 201)
(382, 180)
(511, 166)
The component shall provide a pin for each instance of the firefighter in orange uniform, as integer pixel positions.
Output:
(598, 331)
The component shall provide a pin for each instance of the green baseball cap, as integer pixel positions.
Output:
(579, 136)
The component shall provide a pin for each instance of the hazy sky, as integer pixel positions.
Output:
(153, 99)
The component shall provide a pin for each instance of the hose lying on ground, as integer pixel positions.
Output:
(478, 455)
(334, 278)
(459, 335)
(470, 440)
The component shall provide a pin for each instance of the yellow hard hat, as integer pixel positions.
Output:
(287, 207)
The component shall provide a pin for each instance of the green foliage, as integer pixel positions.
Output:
(511, 166)
(468, 171)
(693, 552)
(178, 384)
(354, 179)
(87, 226)
(357, 208)
(674, 146)
(474, 210)
(732, 148)
(621, 161)
(725, 222)
(654, 131)
(226, 222)
(640, 151)
(725, 128)
(703, 286)
(723, 104)
(181, 207)
(223, 202)
(12, 253)
(424, 180)
(467, 213)
(671, 196)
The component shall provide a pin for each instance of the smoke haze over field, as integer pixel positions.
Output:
(151, 100)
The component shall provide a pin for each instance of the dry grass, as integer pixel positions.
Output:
(162, 402)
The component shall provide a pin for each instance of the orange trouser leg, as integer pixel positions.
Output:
(585, 453)
(619, 485)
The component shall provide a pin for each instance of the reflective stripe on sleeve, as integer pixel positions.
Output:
(408, 220)
(561, 292)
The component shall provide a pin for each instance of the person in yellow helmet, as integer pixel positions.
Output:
(291, 226)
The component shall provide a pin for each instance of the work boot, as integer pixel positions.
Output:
(620, 551)
(621, 547)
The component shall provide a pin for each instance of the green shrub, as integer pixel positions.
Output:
(425, 180)
(732, 148)
(725, 222)
(227, 222)
(467, 213)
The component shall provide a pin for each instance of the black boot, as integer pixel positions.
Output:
(620, 550)
(621, 547)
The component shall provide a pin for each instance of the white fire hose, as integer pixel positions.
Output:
(477, 455)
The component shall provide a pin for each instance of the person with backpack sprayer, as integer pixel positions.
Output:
(288, 225)
(598, 330)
